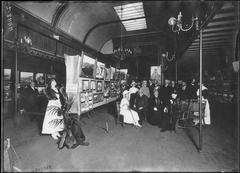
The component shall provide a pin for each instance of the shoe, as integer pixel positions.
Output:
(54, 136)
(138, 125)
(84, 143)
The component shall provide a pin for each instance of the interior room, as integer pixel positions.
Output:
(120, 86)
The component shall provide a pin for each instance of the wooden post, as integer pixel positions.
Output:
(16, 73)
(200, 95)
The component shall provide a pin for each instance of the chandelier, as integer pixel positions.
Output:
(177, 23)
(121, 53)
(24, 43)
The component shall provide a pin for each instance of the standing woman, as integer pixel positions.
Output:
(53, 122)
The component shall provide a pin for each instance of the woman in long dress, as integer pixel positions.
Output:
(53, 122)
(129, 116)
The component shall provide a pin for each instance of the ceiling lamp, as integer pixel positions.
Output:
(121, 53)
(177, 23)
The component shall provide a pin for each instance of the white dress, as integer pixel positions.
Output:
(53, 123)
(129, 116)
(207, 117)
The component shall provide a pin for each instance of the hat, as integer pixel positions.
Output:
(125, 92)
(144, 81)
(133, 83)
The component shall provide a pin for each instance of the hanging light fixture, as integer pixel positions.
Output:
(121, 53)
(177, 25)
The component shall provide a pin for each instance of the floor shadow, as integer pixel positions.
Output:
(190, 135)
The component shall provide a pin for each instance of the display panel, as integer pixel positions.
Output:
(26, 77)
(85, 85)
(82, 98)
(40, 78)
(87, 66)
(107, 74)
(156, 73)
(100, 70)
(99, 86)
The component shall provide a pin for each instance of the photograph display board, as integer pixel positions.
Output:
(99, 86)
(85, 85)
(93, 85)
(88, 66)
(7, 75)
(156, 73)
(100, 70)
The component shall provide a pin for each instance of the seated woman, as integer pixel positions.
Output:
(129, 116)
(53, 122)
(155, 106)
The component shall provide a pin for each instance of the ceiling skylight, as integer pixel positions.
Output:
(131, 11)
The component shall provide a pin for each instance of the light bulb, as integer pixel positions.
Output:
(172, 21)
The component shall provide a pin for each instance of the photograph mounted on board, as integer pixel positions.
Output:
(40, 78)
(100, 70)
(156, 73)
(99, 86)
(26, 77)
(87, 66)
(107, 74)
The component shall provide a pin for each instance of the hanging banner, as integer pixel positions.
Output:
(73, 65)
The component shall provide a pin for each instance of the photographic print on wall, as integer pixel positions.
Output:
(100, 70)
(99, 86)
(113, 70)
(93, 85)
(7, 75)
(40, 78)
(85, 85)
(88, 66)
(156, 73)
(26, 77)
(107, 74)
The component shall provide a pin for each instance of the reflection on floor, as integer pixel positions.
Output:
(129, 148)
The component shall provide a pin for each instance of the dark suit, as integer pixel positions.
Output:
(31, 100)
(155, 115)
(142, 101)
(192, 91)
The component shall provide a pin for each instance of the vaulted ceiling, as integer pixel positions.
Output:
(97, 25)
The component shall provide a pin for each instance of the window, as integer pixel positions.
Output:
(131, 11)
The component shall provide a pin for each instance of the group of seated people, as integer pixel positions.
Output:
(154, 102)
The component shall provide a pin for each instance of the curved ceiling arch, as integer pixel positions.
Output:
(42, 10)
(79, 18)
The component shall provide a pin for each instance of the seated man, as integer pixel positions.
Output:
(129, 116)
(142, 106)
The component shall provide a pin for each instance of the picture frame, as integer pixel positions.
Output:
(40, 78)
(99, 86)
(93, 85)
(87, 67)
(26, 77)
(85, 85)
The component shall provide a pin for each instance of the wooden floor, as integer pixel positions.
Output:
(129, 148)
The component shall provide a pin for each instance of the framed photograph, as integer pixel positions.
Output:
(40, 78)
(107, 75)
(156, 73)
(26, 77)
(85, 85)
(93, 85)
(99, 86)
(82, 98)
(7, 75)
(88, 66)
(100, 70)
(113, 70)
